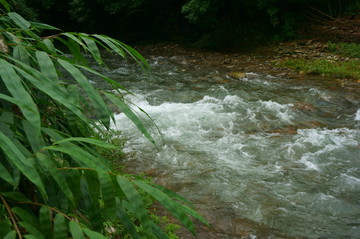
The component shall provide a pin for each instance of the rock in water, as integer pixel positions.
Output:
(237, 74)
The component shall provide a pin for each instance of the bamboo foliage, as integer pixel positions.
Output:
(53, 184)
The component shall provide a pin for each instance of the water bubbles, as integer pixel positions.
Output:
(248, 146)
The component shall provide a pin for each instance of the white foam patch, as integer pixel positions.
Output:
(357, 115)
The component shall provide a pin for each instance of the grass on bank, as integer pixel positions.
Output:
(345, 49)
(333, 68)
(349, 69)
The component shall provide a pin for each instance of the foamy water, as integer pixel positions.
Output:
(275, 152)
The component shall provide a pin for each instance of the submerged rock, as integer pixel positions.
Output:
(237, 74)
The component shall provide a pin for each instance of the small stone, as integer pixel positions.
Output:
(237, 74)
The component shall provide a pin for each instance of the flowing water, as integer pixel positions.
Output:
(261, 157)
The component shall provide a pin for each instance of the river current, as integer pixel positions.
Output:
(260, 157)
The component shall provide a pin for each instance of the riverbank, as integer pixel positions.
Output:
(266, 60)
(278, 59)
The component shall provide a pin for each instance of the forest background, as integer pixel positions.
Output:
(210, 24)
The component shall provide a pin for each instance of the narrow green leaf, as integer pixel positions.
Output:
(135, 54)
(50, 88)
(93, 235)
(22, 54)
(19, 20)
(74, 49)
(47, 163)
(6, 176)
(88, 140)
(49, 44)
(23, 164)
(172, 194)
(26, 216)
(6, 5)
(30, 237)
(16, 196)
(158, 231)
(46, 66)
(136, 200)
(75, 230)
(132, 52)
(60, 230)
(106, 40)
(43, 26)
(35, 140)
(171, 205)
(131, 115)
(108, 194)
(94, 50)
(92, 207)
(100, 108)
(115, 84)
(126, 219)
(82, 157)
(33, 231)
(75, 39)
(14, 85)
(45, 221)
(11, 235)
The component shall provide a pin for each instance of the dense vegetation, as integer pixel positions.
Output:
(203, 23)
(55, 178)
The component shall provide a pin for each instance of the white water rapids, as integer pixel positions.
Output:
(281, 153)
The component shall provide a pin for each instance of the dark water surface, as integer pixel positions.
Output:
(260, 157)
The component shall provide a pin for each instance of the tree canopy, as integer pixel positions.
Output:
(203, 22)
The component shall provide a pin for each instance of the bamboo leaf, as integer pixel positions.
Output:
(11, 235)
(93, 235)
(82, 157)
(108, 194)
(110, 81)
(60, 231)
(48, 164)
(100, 108)
(16, 196)
(45, 221)
(6, 176)
(50, 88)
(6, 5)
(19, 20)
(43, 26)
(26, 216)
(94, 50)
(49, 44)
(88, 140)
(169, 204)
(35, 140)
(126, 220)
(46, 66)
(74, 49)
(15, 87)
(158, 231)
(75, 39)
(92, 207)
(132, 52)
(23, 164)
(136, 200)
(75, 230)
(131, 115)
(22, 54)
(112, 46)
(33, 231)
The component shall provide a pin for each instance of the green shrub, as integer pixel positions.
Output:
(350, 69)
(53, 181)
(345, 49)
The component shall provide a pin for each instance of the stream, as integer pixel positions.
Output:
(259, 157)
